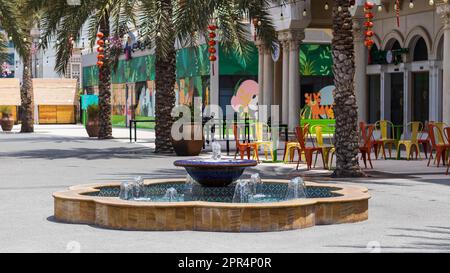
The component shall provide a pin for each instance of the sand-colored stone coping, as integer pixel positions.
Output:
(74, 206)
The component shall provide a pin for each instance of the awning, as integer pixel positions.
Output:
(54, 91)
(9, 92)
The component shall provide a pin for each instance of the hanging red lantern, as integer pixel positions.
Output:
(100, 35)
(368, 24)
(100, 49)
(100, 42)
(212, 27)
(100, 56)
(100, 63)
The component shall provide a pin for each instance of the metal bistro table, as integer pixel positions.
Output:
(133, 124)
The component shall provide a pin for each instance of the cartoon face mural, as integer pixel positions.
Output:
(319, 105)
(246, 97)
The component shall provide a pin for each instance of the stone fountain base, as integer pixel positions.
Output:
(83, 205)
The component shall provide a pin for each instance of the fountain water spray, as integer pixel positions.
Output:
(296, 189)
(216, 151)
(139, 188)
(256, 185)
(188, 188)
(126, 191)
(242, 192)
(171, 194)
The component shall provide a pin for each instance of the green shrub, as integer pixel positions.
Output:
(5, 110)
(93, 111)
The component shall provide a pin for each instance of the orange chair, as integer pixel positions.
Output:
(365, 147)
(244, 147)
(308, 151)
(436, 146)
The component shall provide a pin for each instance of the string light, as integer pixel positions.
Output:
(380, 8)
(305, 13)
(411, 4)
(326, 7)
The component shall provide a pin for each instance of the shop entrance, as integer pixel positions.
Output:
(397, 98)
(420, 97)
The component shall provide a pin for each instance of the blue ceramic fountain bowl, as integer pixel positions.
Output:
(210, 173)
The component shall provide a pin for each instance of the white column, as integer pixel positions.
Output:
(260, 72)
(214, 80)
(385, 94)
(433, 94)
(268, 77)
(360, 71)
(407, 97)
(444, 11)
(294, 78)
(285, 89)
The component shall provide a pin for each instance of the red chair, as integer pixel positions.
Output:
(244, 147)
(447, 135)
(440, 149)
(308, 151)
(365, 147)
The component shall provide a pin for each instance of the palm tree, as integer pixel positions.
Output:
(168, 21)
(18, 26)
(346, 110)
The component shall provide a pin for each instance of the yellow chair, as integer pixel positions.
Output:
(267, 145)
(441, 126)
(384, 126)
(326, 149)
(416, 127)
(293, 146)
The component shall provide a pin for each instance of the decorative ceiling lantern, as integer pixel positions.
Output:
(368, 24)
(212, 28)
(397, 11)
(100, 49)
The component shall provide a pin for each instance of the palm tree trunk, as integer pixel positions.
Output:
(346, 110)
(165, 76)
(26, 96)
(104, 98)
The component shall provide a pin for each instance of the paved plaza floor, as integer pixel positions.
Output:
(409, 210)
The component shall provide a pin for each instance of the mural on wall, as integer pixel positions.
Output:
(186, 89)
(145, 99)
(118, 99)
(7, 68)
(315, 60)
(245, 98)
(319, 105)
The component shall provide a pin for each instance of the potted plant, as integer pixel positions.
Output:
(93, 120)
(7, 121)
(191, 144)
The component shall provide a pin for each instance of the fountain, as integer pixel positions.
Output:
(215, 172)
(212, 197)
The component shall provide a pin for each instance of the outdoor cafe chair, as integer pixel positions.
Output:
(327, 149)
(292, 146)
(365, 147)
(244, 147)
(307, 150)
(415, 128)
(267, 145)
(440, 148)
(387, 137)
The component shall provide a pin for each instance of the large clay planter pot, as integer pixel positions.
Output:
(7, 122)
(189, 146)
(93, 127)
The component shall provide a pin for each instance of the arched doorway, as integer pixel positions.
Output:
(420, 99)
(397, 89)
